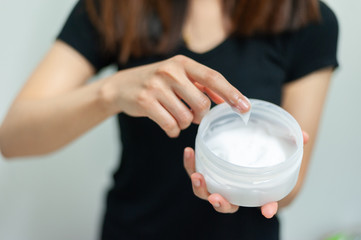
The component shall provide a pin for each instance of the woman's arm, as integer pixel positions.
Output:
(304, 99)
(54, 107)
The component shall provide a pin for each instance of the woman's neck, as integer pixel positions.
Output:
(206, 26)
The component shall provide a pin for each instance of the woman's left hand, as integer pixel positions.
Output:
(219, 203)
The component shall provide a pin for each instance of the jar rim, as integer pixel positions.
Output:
(263, 108)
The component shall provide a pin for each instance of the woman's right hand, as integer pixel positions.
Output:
(160, 90)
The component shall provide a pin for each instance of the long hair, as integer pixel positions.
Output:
(144, 27)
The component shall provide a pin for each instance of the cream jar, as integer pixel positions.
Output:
(249, 164)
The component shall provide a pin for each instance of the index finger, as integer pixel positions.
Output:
(216, 82)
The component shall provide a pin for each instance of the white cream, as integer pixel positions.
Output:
(250, 146)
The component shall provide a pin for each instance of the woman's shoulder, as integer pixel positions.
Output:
(314, 46)
(81, 34)
(328, 16)
(328, 23)
(326, 27)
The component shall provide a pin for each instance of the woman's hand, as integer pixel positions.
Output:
(219, 203)
(173, 93)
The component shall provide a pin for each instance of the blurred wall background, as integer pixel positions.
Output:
(60, 196)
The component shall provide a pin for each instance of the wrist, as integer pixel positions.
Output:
(107, 97)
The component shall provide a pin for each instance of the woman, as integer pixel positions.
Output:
(174, 57)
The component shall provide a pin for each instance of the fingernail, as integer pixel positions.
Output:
(196, 182)
(243, 105)
(216, 205)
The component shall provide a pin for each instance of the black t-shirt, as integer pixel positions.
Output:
(152, 196)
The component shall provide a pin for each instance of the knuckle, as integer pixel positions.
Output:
(171, 128)
(212, 76)
(174, 133)
(142, 98)
(204, 104)
(164, 69)
(154, 85)
(185, 118)
(180, 59)
(169, 73)
(180, 82)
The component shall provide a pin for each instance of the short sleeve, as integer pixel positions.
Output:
(80, 33)
(314, 47)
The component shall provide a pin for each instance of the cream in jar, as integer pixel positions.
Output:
(250, 146)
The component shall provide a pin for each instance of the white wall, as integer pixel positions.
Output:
(60, 196)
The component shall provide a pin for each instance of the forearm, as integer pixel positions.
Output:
(310, 127)
(304, 99)
(306, 158)
(34, 127)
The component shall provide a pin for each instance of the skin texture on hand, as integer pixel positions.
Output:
(219, 203)
(173, 93)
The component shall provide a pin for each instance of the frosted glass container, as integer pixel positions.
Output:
(249, 186)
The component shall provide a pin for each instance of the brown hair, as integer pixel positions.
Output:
(143, 27)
